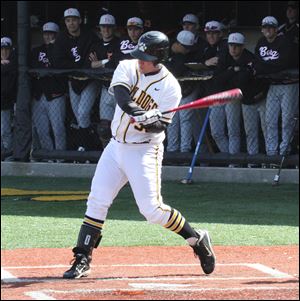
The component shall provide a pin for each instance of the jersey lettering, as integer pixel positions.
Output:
(43, 58)
(126, 45)
(145, 101)
(268, 55)
(87, 240)
(160, 91)
(74, 51)
(133, 91)
(139, 128)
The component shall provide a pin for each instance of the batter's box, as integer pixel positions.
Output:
(236, 270)
(163, 293)
(154, 273)
(143, 286)
(187, 271)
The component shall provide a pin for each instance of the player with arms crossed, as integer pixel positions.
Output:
(143, 88)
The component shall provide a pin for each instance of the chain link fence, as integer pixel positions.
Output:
(79, 120)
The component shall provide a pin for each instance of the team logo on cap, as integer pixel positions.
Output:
(142, 47)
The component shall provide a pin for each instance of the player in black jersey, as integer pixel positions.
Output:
(9, 76)
(49, 107)
(274, 54)
(291, 28)
(135, 28)
(190, 22)
(71, 51)
(106, 54)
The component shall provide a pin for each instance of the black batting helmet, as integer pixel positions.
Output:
(153, 46)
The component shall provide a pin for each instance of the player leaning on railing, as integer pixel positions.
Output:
(71, 51)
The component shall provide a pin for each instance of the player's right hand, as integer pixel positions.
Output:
(212, 61)
(148, 117)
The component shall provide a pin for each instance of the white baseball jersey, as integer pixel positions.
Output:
(159, 91)
(135, 155)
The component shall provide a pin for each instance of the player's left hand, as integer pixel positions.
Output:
(93, 57)
(148, 117)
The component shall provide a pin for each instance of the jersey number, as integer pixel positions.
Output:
(139, 127)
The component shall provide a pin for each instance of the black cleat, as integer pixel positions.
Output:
(203, 250)
(80, 268)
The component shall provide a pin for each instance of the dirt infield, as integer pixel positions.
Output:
(153, 273)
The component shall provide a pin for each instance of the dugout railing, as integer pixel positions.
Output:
(95, 142)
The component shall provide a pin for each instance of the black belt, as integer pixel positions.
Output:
(144, 142)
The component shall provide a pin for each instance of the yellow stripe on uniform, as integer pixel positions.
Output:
(157, 177)
(89, 221)
(156, 82)
(121, 84)
(120, 124)
(169, 223)
(125, 132)
(176, 223)
(165, 119)
(180, 225)
(137, 75)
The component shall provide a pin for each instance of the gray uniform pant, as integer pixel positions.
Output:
(6, 130)
(220, 116)
(107, 105)
(254, 119)
(82, 104)
(49, 115)
(284, 99)
(180, 131)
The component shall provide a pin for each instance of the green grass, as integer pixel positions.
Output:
(235, 214)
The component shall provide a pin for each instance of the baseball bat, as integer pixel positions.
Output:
(217, 99)
(285, 154)
(188, 179)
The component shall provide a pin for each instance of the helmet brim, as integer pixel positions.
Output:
(140, 55)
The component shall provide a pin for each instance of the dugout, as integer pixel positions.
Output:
(166, 15)
(22, 20)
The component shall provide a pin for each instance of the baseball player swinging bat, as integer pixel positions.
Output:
(217, 99)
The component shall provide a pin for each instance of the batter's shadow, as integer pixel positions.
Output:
(28, 281)
(151, 276)
(273, 282)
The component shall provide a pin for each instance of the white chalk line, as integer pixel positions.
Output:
(39, 295)
(256, 266)
(267, 270)
(110, 279)
(7, 277)
(45, 294)
(142, 265)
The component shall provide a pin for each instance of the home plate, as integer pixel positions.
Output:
(158, 285)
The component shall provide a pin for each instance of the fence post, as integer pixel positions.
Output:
(22, 131)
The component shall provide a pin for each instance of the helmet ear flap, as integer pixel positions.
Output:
(155, 63)
(162, 53)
